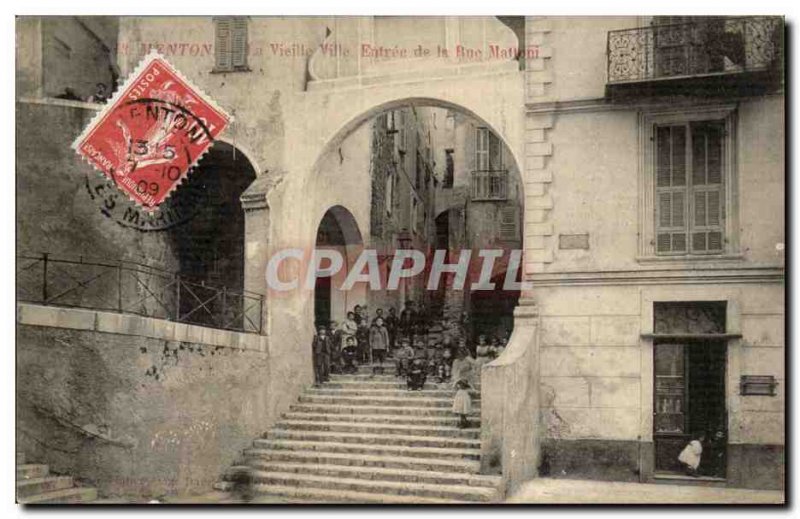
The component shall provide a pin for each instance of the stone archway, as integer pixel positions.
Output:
(297, 198)
(298, 203)
(338, 231)
(210, 245)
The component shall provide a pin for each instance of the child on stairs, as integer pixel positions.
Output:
(462, 403)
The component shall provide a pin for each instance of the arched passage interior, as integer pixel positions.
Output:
(337, 231)
(209, 245)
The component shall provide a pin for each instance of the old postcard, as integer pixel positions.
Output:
(400, 259)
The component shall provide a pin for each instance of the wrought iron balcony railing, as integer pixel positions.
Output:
(489, 185)
(707, 46)
(128, 287)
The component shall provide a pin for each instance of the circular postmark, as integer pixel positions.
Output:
(189, 199)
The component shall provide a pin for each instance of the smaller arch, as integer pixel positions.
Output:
(338, 230)
(346, 222)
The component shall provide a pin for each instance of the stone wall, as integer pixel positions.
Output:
(137, 407)
(60, 208)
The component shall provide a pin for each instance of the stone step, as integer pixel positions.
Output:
(68, 495)
(398, 384)
(371, 449)
(438, 491)
(365, 377)
(366, 410)
(322, 495)
(394, 393)
(32, 470)
(435, 421)
(29, 487)
(385, 401)
(392, 461)
(377, 428)
(385, 378)
(20, 458)
(380, 473)
(375, 439)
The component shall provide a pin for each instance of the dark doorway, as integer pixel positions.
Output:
(492, 311)
(322, 301)
(689, 400)
(689, 384)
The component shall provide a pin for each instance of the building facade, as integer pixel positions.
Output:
(644, 177)
(659, 276)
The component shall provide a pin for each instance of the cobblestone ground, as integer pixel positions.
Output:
(562, 491)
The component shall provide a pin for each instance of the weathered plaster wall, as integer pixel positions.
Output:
(255, 98)
(179, 401)
(55, 211)
(578, 69)
(596, 191)
(77, 53)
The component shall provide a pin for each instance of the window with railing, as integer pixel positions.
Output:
(489, 185)
(702, 46)
(489, 181)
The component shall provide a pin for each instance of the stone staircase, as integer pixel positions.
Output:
(35, 485)
(365, 438)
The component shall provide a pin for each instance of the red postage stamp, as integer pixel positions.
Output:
(152, 132)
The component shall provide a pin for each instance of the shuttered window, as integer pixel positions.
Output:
(488, 151)
(689, 188)
(230, 43)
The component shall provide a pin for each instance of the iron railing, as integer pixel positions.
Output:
(129, 287)
(489, 185)
(708, 45)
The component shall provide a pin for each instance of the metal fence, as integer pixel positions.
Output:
(129, 287)
(706, 46)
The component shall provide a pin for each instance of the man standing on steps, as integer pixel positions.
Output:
(378, 343)
(408, 318)
(391, 327)
(321, 348)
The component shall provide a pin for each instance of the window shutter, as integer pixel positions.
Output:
(508, 223)
(671, 190)
(402, 129)
(495, 152)
(222, 44)
(239, 42)
(707, 187)
(482, 149)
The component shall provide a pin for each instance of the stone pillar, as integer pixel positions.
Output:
(510, 438)
(256, 248)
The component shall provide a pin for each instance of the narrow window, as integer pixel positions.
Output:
(230, 43)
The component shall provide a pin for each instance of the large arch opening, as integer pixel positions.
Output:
(425, 174)
(209, 245)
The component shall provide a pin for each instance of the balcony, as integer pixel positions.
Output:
(707, 57)
(489, 186)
